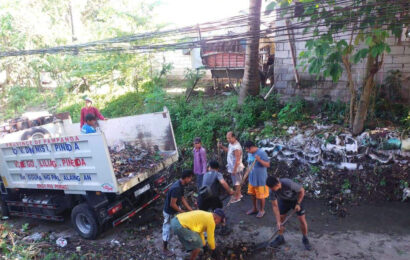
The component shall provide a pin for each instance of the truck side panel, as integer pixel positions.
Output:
(75, 164)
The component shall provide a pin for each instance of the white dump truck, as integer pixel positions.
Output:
(59, 169)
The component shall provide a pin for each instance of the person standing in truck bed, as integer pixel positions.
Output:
(90, 125)
(89, 109)
(173, 200)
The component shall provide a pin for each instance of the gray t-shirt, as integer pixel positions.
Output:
(289, 190)
(212, 179)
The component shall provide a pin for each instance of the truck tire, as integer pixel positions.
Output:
(85, 221)
(35, 133)
(4, 208)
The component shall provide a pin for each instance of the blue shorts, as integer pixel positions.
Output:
(189, 239)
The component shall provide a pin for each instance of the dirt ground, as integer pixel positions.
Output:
(377, 231)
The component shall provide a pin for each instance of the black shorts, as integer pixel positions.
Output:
(209, 203)
(286, 205)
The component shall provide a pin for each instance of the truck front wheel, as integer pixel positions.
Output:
(4, 208)
(85, 221)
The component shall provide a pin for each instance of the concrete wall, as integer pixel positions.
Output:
(398, 59)
(179, 60)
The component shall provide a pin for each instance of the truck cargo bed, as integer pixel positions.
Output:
(126, 183)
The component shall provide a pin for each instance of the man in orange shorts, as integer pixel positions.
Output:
(257, 178)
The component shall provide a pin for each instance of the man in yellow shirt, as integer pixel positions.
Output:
(190, 228)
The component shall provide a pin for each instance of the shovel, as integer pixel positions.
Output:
(266, 243)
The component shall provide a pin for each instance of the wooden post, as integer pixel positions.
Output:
(270, 90)
(291, 38)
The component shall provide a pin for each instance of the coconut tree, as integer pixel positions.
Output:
(251, 79)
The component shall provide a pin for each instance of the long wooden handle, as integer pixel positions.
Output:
(247, 172)
(219, 152)
(283, 223)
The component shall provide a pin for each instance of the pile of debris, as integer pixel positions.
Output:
(335, 146)
(128, 160)
(232, 251)
(333, 164)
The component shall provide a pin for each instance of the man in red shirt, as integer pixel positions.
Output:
(88, 109)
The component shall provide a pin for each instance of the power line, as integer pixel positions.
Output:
(187, 37)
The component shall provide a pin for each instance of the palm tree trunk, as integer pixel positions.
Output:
(251, 78)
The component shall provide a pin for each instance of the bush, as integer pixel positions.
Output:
(128, 104)
(211, 119)
(292, 112)
(74, 109)
(19, 98)
(334, 112)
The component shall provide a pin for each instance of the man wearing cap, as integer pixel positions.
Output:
(89, 109)
(190, 228)
(199, 161)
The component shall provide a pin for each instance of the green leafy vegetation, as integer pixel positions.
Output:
(329, 55)
(334, 112)
(293, 111)
(10, 247)
(46, 82)
(211, 119)
(346, 185)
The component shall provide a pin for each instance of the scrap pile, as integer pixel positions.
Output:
(332, 146)
(333, 164)
(128, 160)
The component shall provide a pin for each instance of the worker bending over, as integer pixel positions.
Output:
(287, 195)
(175, 197)
(212, 183)
(190, 228)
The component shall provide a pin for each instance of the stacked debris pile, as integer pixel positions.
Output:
(333, 164)
(128, 160)
(334, 146)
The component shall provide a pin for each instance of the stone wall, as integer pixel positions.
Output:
(311, 87)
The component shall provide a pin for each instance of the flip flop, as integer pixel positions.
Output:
(251, 212)
(235, 200)
(260, 215)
